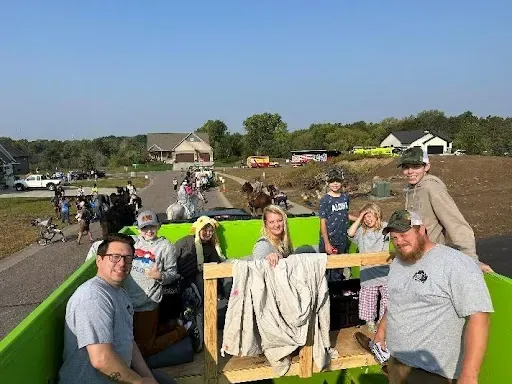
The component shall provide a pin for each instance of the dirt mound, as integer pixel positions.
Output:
(480, 185)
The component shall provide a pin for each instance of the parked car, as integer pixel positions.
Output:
(37, 181)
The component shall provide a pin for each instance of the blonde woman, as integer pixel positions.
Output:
(275, 242)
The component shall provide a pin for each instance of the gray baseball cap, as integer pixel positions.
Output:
(147, 218)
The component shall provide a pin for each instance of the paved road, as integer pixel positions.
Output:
(29, 276)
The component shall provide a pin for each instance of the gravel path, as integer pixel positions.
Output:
(29, 276)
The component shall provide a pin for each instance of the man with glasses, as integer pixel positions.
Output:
(99, 345)
(427, 195)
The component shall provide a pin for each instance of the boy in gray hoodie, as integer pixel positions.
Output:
(428, 196)
(154, 264)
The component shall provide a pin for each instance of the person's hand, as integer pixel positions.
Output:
(467, 380)
(273, 259)
(362, 213)
(153, 273)
(328, 248)
(380, 337)
(485, 268)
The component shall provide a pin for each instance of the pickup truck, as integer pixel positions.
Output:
(37, 181)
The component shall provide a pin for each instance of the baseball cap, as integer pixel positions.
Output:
(335, 174)
(402, 221)
(147, 218)
(414, 155)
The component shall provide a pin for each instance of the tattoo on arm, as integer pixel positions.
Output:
(115, 376)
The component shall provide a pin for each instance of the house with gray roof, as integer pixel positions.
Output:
(181, 149)
(12, 162)
(432, 143)
(12, 155)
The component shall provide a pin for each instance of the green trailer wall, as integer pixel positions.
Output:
(31, 353)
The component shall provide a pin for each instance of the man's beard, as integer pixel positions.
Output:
(415, 254)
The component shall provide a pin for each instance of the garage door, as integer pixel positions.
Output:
(184, 157)
(435, 149)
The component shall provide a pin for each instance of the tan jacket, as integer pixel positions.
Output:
(440, 214)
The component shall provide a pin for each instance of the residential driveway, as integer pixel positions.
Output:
(29, 276)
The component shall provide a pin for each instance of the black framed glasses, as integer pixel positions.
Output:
(115, 257)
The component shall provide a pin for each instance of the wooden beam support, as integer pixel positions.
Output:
(225, 269)
(306, 352)
(211, 355)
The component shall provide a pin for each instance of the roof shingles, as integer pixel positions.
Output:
(408, 137)
(168, 141)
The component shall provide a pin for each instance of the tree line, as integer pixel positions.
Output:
(110, 151)
(268, 134)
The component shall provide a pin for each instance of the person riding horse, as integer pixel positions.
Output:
(187, 203)
(277, 196)
(255, 200)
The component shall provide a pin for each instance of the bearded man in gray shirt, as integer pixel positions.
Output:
(98, 333)
(437, 320)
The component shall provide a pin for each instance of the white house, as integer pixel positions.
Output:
(180, 149)
(432, 143)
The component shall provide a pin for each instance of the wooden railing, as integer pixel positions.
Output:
(213, 271)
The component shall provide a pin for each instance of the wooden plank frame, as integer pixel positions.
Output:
(214, 271)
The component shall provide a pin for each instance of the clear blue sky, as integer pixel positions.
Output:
(83, 69)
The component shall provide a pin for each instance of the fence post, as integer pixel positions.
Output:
(211, 356)
(306, 352)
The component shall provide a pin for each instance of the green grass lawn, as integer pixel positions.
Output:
(149, 167)
(15, 216)
(112, 182)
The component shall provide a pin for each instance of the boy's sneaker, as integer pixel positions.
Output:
(196, 332)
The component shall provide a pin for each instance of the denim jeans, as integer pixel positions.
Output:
(175, 354)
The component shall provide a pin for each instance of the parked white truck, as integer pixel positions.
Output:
(36, 181)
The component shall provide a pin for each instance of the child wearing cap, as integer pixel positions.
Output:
(154, 264)
(428, 195)
(334, 217)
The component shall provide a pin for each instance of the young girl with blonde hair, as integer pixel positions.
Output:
(366, 232)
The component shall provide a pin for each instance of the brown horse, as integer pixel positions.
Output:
(255, 201)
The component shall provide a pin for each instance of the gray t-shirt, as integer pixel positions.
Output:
(96, 313)
(428, 303)
(262, 249)
(372, 241)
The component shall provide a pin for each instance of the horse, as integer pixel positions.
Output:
(123, 197)
(255, 201)
(277, 197)
(247, 188)
(117, 217)
(178, 211)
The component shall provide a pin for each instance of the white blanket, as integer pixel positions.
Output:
(270, 310)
